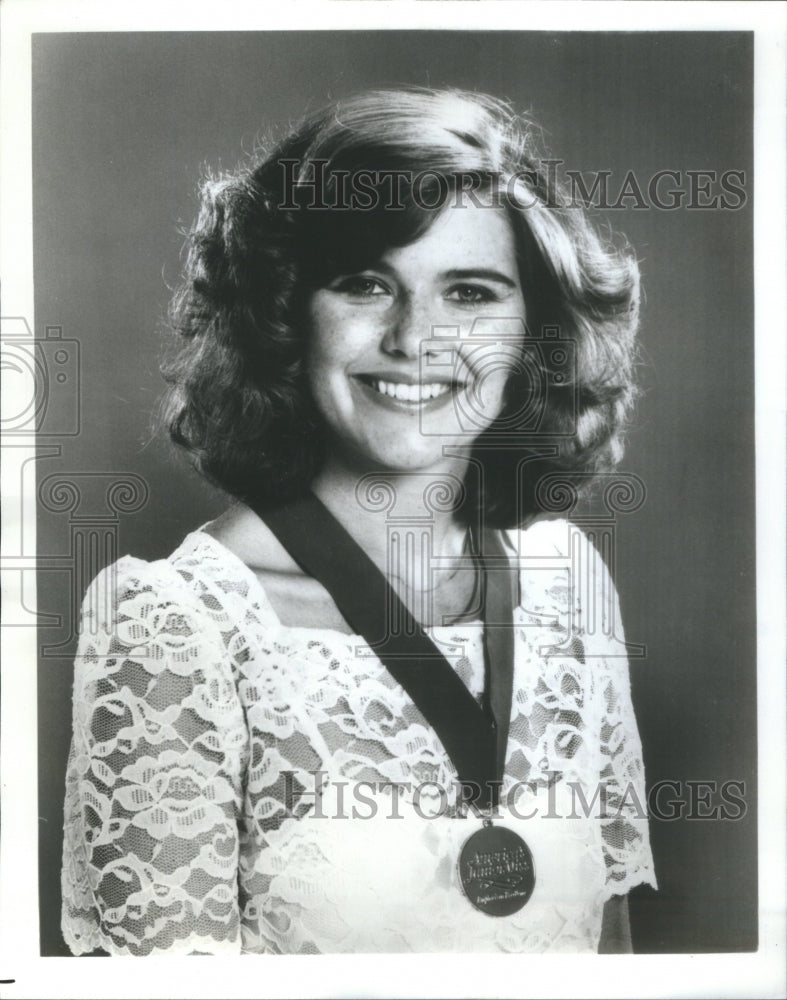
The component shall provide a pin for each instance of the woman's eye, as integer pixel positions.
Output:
(471, 294)
(361, 286)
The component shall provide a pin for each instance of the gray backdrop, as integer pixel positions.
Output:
(122, 125)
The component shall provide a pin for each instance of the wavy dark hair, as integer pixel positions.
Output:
(239, 399)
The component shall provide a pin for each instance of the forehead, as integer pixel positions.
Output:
(462, 236)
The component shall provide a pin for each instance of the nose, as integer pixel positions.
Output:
(410, 324)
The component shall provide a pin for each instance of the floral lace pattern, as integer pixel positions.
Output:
(235, 785)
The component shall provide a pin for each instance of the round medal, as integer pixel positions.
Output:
(496, 870)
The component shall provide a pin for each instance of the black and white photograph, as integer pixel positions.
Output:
(386, 514)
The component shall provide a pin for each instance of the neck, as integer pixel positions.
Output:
(403, 521)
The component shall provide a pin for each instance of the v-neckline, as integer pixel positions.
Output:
(474, 736)
(258, 595)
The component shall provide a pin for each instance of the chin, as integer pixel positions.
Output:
(411, 456)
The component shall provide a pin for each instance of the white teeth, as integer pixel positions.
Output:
(418, 393)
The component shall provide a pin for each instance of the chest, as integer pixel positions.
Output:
(338, 862)
(322, 700)
(300, 601)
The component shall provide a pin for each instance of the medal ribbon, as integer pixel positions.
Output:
(474, 737)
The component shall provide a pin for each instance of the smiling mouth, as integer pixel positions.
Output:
(410, 392)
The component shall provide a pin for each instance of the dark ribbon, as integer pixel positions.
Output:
(474, 736)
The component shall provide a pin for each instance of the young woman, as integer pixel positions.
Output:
(369, 707)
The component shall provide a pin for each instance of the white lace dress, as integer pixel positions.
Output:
(204, 730)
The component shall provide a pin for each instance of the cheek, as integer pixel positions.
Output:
(331, 352)
(336, 338)
(324, 344)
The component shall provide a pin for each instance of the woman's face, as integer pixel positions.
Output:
(413, 353)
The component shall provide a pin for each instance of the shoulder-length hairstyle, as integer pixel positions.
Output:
(368, 174)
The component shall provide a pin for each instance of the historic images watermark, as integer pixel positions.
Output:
(543, 363)
(43, 413)
(310, 184)
(667, 800)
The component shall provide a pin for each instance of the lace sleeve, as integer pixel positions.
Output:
(153, 786)
(624, 830)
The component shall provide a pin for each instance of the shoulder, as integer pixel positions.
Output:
(544, 538)
(217, 562)
(562, 571)
(146, 620)
(541, 553)
(248, 538)
(558, 539)
(292, 598)
(185, 600)
(122, 583)
(131, 580)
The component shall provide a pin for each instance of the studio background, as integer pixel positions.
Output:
(122, 126)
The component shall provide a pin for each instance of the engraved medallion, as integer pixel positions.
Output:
(496, 870)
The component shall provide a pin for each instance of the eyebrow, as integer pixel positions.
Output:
(462, 274)
(455, 274)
